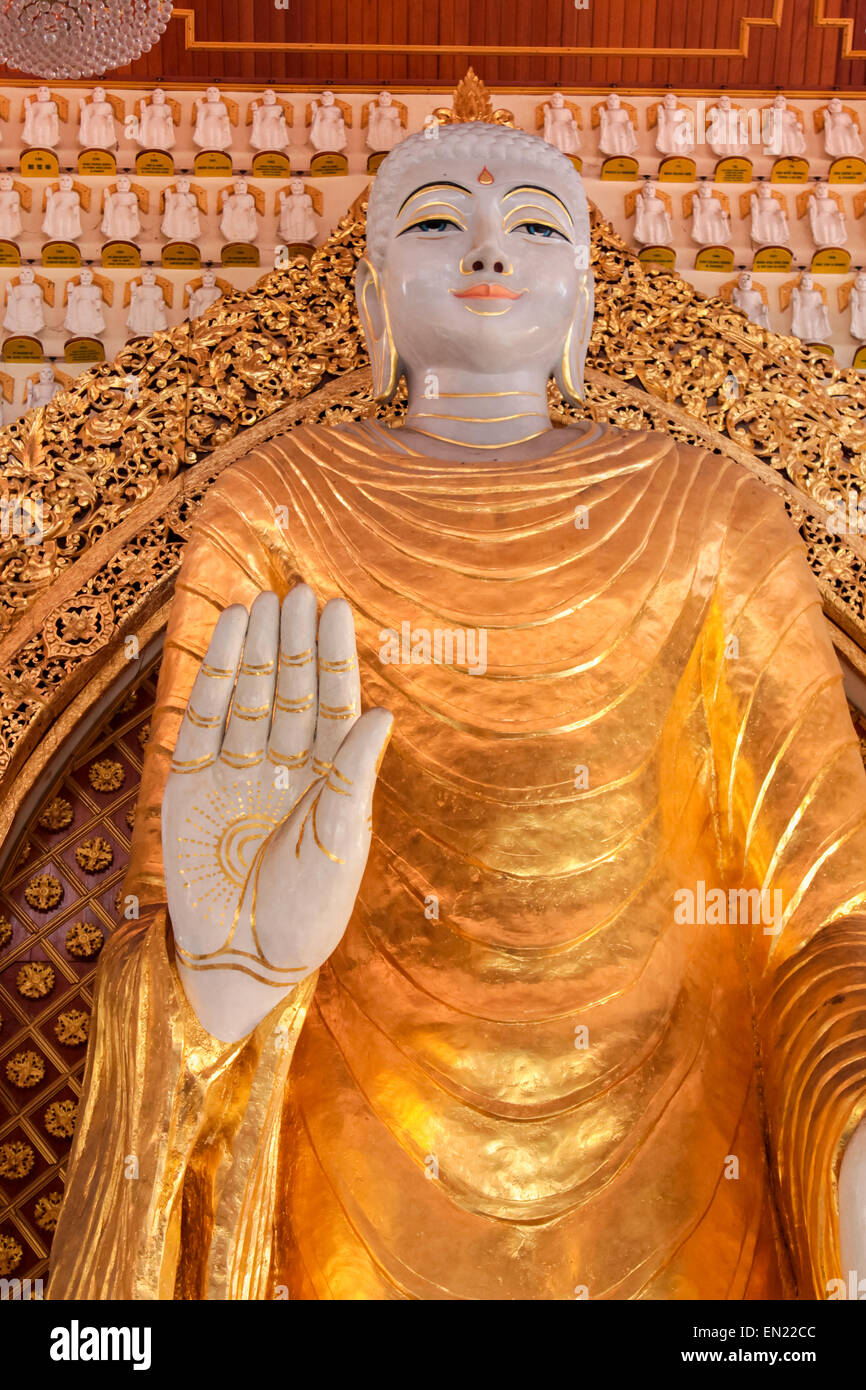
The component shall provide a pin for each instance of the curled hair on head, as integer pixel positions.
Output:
(475, 138)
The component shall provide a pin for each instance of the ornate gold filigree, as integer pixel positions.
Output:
(10, 1255)
(60, 1118)
(57, 815)
(72, 1028)
(44, 892)
(16, 1160)
(106, 775)
(35, 979)
(472, 103)
(94, 855)
(46, 1210)
(84, 940)
(25, 1069)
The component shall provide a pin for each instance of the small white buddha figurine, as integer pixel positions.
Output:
(62, 211)
(270, 127)
(617, 135)
(10, 207)
(652, 221)
(560, 125)
(239, 220)
(43, 390)
(711, 225)
(826, 218)
(809, 318)
(204, 295)
(769, 219)
(857, 306)
(675, 129)
(156, 123)
(384, 125)
(748, 298)
(297, 218)
(25, 304)
(327, 128)
(146, 306)
(213, 129)
(725, 130)
(181, 221)
(841, 131)
(120, 217)
(783, 131)
(84, 313)
(41, 121)
(96, 124)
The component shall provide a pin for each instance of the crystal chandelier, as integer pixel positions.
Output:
(78, 38)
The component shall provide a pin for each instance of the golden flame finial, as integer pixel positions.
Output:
(472, 103)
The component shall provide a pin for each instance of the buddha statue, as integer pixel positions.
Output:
(810, 319)
(652, 221)
(783, 132)
(62, 217)
(711, 225)
(468, 903)
(239, 219)
(181, 220)
(156, 123)
(96, 124)
(560, 125)
(769, 222)
(203, 295)
(25, 304)
(120, 217)
(617, 135)
(746, 295)
(10, 207)
(42, 389)
(146, 306)
(213, 129)
(270, 128)
(675, 133)
(297, 221)
(327, 126)
(41, 120)
(826, 218)
(384, 123)
(857, 305)
(84, 305)
(727, 132)
(841, 131)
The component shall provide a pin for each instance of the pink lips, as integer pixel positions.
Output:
(487, 292)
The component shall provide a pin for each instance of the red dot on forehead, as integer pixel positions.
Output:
(485, 176)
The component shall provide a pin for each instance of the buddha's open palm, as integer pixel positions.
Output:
(266, 818)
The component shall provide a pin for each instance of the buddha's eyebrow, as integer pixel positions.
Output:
(424, 187)
(536, 188)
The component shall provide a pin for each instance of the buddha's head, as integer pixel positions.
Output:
(182, 185)
(296, 187)
(148, 277)
(385, 98)
(5, 183)
(779, 102)
(158, 97)
(725, 102)
(670, 101)
(270, 97)
(213, 93)
(613, 101)
(208, 279)
(806, 281)
(65, 183)
(46, 375)
(123, 183)
(705, 191)
(327, 98)
(43, 94)
(477, 260)
(764, 191)
(822, 190)
(834, 105)
(239, 185)
(745, 280)
(860, 279)
(557, 100)
(86, 276)
(650, 190)
(27, 275)
(99, 94)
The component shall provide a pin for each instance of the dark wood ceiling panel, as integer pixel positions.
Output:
(689, 44)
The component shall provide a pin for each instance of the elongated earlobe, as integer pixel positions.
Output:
(569, 372)
(373, 311)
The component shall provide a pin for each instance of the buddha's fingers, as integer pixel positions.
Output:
(201, 731)
(345, 806)
(294, 725)
(339, 683)
(250, 716)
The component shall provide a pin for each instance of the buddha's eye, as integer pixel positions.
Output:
(539, 229)
(431, 224)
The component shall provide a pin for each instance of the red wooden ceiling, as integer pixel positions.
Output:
(790, 44)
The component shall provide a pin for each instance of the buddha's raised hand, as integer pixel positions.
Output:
(266, 818)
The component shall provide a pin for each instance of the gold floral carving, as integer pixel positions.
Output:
(35, 979)
(60, 1118)
(94, 855)
(44, 892)
(72, 1027)
(16, 1160)
(106, 775)
(25, 1069)
(10, 1255)
(57, 815)
(46, 1210)
(84, 940)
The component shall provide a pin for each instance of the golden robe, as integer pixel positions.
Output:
(518, 1076)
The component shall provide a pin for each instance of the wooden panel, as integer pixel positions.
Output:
(689, 44)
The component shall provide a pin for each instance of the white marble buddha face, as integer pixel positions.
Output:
(649, 190)
(834, 105)
(158, 97)
(327, 98)
(860, 280)
(764, 190)
(704, 191)
(43, 94)
(27, 275)
(86, 277)
(213, 93)
(822, 190)
(385, 98)
(208, 279)
(148, 277)
(183, 185)
(297, 187)
(613, 101)
(557, 100)
(483, 256)
(269, 98)
(46, 375)
(670, 101)
(806, 281)
(780, 103)
(99, 94)
(725, 101)
(239, 186)
(5, 183)
(745, 280)
(65, 182)
(123, 183)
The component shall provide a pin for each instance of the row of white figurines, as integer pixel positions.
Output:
(150, 296)
(182, 204)
(810, 312)
(729, 130)
(709, 215)
(85, 297)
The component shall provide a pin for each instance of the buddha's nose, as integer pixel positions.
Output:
(486, 256)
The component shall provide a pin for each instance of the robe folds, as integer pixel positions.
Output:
(526, 1071)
